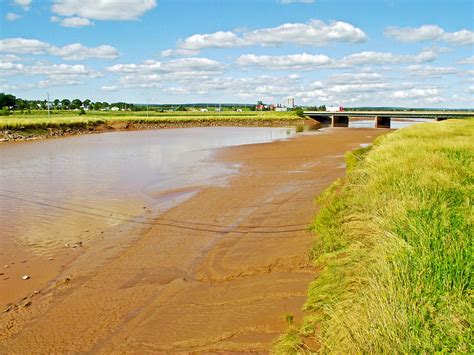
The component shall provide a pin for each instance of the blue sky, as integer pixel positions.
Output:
(350, 53)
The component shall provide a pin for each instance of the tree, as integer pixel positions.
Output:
(86, 103)
(65, 103)
(56, 103)
(299, 112)
(7, 100)
(76, 103)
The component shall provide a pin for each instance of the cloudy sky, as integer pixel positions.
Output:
(414, 53)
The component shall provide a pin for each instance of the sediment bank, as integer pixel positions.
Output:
(33, 133)
(223, 271)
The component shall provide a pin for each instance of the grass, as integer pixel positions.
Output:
(40, 119)
(395, 245)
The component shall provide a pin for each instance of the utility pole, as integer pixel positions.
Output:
(47, 104)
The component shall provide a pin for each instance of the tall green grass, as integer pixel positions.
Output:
(395, 245)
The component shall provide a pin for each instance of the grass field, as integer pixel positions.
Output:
(395, 248)
(40, 119)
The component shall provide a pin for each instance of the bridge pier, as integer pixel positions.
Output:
(382, 122)
(339, 121)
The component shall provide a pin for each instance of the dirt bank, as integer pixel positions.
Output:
(217, 273)
(11, 135)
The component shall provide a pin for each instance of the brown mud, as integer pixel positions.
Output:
(10, 135)
(217, 273)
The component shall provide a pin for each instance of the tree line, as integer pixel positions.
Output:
(10, 102)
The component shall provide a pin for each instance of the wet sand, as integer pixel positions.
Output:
(219, 272)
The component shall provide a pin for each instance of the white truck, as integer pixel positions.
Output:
(334, 108)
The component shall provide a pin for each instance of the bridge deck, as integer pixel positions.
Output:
(394, 114)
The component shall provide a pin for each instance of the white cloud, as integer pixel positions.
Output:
(416, 93)
(430, 71)
(409, 34)
(75, 51)
(306, 61)
(314, 33)
(75, 22)
(46, 69)
(25, 4)
(302, 61)
(218, 39)
(103, 9)
(183, 66)
(11, 16)
(470, 89)
(355, 77)
(468, 61)
(23, 46)
(430, 33)
(460, 38)
(370, 57)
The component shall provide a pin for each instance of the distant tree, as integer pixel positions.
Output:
(76, 103)
(299, 112)
(82, 112)
(56, 103)
(7, 100)
(181, 108)
(86, 103)
(65, 104)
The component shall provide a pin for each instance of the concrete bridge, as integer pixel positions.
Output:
(382, 119)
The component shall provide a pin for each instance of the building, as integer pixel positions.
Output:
(290, 102)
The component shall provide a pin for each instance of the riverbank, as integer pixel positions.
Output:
(66, 123)
(394, 243)
(195, 278)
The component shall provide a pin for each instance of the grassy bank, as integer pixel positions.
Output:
(57, 119)
(394, 244)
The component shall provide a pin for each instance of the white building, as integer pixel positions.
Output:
(290, 102)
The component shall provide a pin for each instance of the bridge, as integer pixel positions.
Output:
(382, 119)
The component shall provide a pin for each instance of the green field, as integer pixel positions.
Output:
(395, 249)
(40, 119)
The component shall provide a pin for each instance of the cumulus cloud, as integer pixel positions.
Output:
(75, 51)
(460, 38)
(430, 71)
(11, 16)
(314, 33)
(302, 61)
(409, 34)
(178, 66)
(73, 21)
(371, 58)
(306, 61)
(103, 10)
(49, 70)
(25, 4)
(468, 61)
(416, 93)
(430, 33)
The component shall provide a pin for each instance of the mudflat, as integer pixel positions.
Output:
(218, 272)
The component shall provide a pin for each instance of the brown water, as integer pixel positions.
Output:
(49, 189)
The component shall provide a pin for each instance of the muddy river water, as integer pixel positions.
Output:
(156, 241)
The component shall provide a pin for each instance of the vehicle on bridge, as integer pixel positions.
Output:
(334, 109)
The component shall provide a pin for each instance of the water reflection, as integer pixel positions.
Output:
(48, 189)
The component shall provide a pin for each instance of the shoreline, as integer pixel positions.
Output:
(28, 134)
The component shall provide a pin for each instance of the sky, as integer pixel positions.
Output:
(416, 53)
